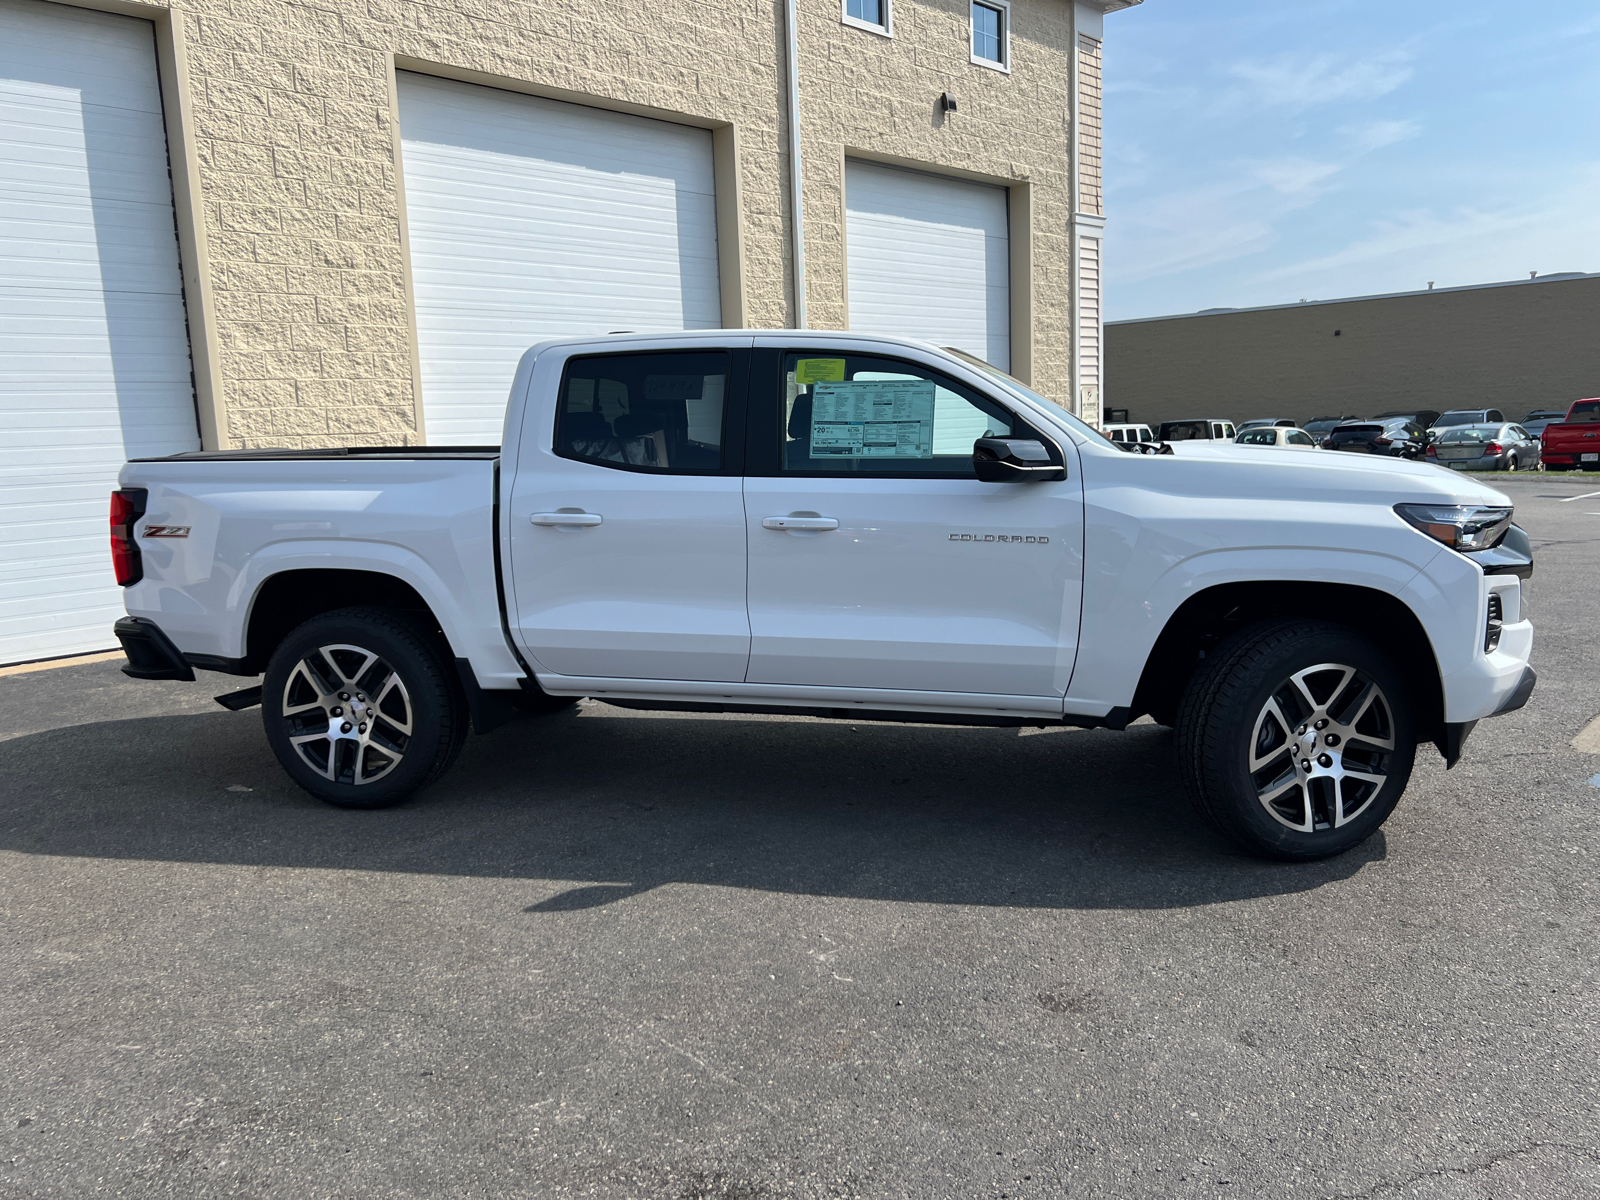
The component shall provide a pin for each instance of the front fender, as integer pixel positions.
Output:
(1121, 626)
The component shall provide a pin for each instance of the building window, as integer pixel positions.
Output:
(871, 15)
(991, 34)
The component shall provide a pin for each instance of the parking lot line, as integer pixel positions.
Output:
(1585, 496)
(76, 660)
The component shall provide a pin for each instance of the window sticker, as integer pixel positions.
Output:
(873, 419)
(819, 370)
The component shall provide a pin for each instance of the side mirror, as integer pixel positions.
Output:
(1013, 460)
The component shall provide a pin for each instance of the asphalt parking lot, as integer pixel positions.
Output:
(620, 954)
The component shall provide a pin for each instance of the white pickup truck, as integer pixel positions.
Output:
(845, 526)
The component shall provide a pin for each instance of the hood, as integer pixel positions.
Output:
(1225, 468)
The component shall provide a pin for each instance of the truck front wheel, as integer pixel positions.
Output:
(361, 709)
(1296, 739)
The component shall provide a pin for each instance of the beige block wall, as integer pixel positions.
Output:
(1517, 347)
(288, 108)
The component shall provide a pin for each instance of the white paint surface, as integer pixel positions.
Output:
(532, 219)
(929, 258)
(94, 352)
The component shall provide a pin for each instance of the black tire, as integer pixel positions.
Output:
(1225, 727)
(387, 673)
(1511, 462)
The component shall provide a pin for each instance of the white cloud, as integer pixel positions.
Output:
(1375, 135)
(1298, 81)
(1467, 244)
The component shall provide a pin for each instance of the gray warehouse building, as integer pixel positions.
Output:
(1526, 344)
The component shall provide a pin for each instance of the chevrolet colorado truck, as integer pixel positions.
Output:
(845, 526)
(1575, 442)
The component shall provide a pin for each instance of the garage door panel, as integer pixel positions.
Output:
(929, 257)
(531, 219)
(94, 354)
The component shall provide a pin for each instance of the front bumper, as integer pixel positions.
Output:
(1454, 736)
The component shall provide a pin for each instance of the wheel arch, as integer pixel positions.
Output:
(1209, 616)
(286, 599)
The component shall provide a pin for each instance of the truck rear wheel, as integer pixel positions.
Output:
(1296, 739)
(361, 709)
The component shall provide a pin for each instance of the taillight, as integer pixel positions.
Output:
(1433, 452)
(1381, 441)
(127, 506)
(1492, 448)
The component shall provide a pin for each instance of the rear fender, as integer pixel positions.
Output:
(474, 634)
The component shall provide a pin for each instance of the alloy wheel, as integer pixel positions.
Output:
(348, 713)
(1320, 749)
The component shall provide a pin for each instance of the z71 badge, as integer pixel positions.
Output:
(1010, 538)
(152, 531)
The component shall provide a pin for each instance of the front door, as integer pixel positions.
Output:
(878, 559)
(626, 521)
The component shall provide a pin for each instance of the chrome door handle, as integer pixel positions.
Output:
(781, 523)
(566, 520)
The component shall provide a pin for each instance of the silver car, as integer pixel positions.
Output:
(1496, 447)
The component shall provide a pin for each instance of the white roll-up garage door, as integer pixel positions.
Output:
(94, 352)
(533, 219)
(929, 257)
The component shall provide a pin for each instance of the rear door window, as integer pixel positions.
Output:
(662, 412)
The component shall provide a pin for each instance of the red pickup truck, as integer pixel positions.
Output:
(1575, 443)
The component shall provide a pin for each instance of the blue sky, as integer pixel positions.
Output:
(1267, 151)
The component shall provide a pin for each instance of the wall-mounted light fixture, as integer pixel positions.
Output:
(947, 102)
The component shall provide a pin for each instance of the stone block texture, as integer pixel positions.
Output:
(296, 144)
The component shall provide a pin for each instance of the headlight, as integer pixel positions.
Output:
(1459, 526)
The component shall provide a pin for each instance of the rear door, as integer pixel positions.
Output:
(626, 521)
(877, 558)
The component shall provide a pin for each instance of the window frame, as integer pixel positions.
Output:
(1003, 8)
(734, 411)
(885, 30)
(764, 428)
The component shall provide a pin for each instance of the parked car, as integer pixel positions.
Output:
(1320, 427)
(1398, 436)
(1129, 432)
(1536, 421)
(1280, 422)
(1276, 435)
(1498, 447)
(1196, 429)
(1575, 442)
(1469, 416)
(1422, 418)
(906, 534)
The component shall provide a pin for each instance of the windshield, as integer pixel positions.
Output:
(1324, 424)
(1470, 417)
(1585, 412)
(1073, 422)
(1184, 431)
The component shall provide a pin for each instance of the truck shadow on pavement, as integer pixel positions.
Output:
(605, 805)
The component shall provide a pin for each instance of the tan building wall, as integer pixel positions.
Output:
(284, 143)
(1515, 346)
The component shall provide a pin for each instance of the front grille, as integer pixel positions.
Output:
(1491, 637)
